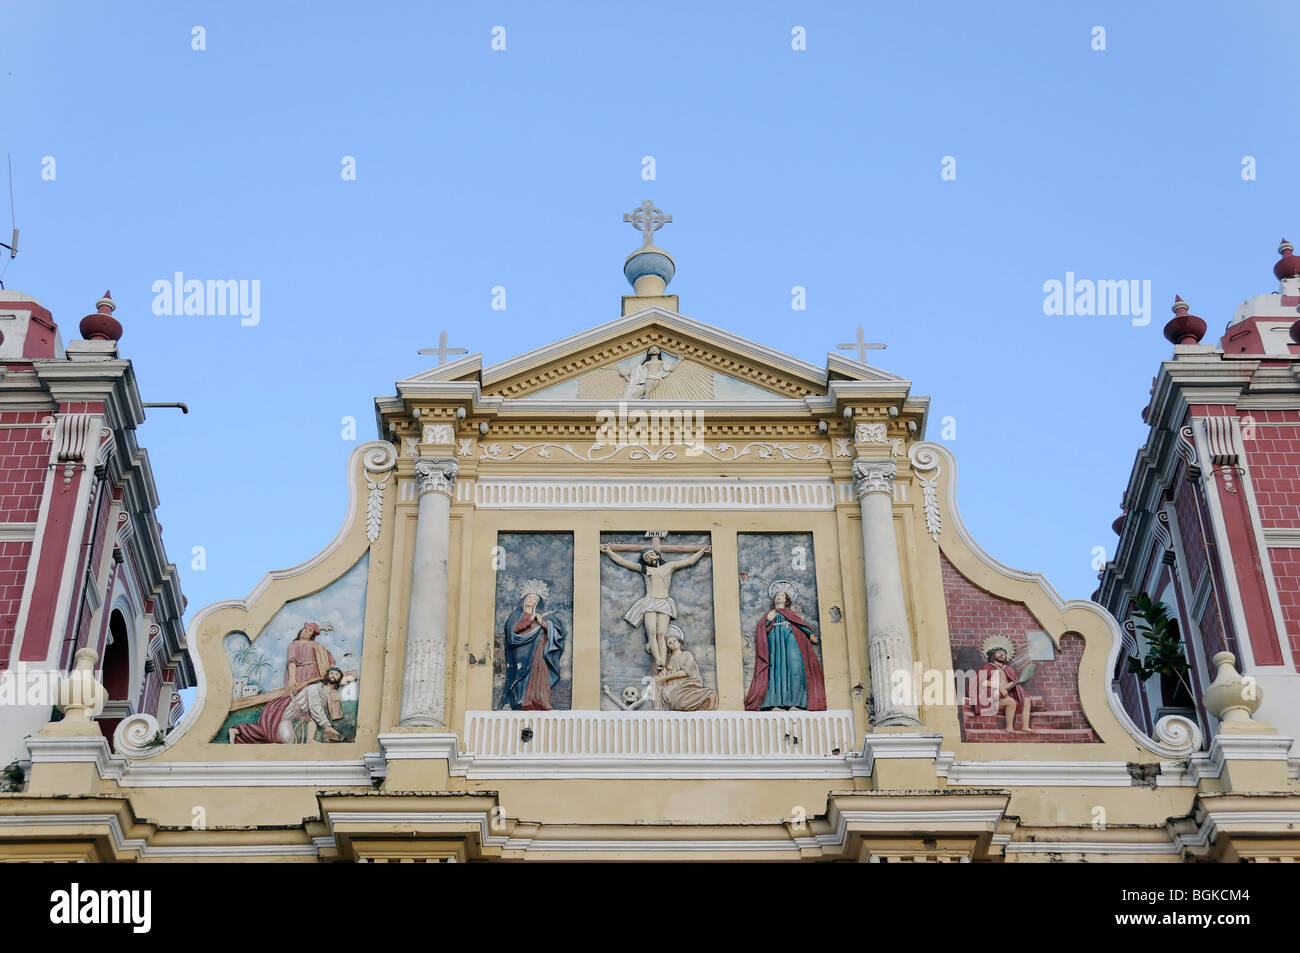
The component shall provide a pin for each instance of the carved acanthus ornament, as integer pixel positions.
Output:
(925, 460)
(871, 433)
(725, 452)
(436, 474)
(378, 463)
(442, 434)
(874, 476)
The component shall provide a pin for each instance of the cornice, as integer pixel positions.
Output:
(110, 381)
(856, 370)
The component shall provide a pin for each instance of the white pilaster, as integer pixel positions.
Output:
(424, 676)
(889, 637)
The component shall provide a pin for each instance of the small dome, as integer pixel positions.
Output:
(1184, 328)
(649, 261)
(102, 326)
(1288, 266)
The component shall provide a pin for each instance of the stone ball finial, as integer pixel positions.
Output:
(1288, 266)
(1231, 697)
(1184, 328)
(649, 270)
(102, 326)
(1295, 332)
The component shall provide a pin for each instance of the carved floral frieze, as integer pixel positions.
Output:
(721, 451)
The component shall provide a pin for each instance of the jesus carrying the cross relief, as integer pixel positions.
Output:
(656, 608)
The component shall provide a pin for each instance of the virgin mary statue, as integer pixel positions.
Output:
(534, 642)
(787, 672)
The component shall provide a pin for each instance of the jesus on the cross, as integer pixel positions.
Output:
(656, 608)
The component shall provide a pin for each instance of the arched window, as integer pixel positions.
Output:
(1173, 691)
(117, 659)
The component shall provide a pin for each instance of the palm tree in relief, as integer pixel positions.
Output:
(257, 665)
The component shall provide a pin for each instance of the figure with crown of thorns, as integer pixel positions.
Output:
(534, 643)
(656, 609)
(999, 688)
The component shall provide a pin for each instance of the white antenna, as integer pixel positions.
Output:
(13, 221)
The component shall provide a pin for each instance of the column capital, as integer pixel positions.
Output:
(436, 474)
(874, 476)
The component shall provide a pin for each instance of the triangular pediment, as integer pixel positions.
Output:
(654, 354)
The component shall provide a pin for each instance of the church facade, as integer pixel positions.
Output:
(659, 592)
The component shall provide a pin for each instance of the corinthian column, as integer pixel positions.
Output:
(424, 676)
(889, 638)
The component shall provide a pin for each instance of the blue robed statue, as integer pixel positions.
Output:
(534, 642)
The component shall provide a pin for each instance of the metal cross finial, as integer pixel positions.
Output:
(860, 345)
(647, 219)
(442, 350)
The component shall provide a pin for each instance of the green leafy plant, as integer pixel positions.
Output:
(1165, 654)
(13, 778)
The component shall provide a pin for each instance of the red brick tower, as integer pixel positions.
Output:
(82, 562)
(1211, 520)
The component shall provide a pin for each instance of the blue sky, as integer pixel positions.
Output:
(477, 168)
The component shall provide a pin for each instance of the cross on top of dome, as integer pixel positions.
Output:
(647, 219)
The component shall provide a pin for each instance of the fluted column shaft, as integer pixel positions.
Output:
(424, 674)
(889, 637)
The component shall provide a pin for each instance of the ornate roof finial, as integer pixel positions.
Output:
(648, 269)
(1184, 328)
(647, 219)
(102, 326)
(1288, 266)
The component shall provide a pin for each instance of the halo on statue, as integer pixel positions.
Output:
(998, 642)
(534, 587)
(784, 585)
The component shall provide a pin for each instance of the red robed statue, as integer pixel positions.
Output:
(787, 672)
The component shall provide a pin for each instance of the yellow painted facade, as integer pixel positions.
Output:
(725, 784)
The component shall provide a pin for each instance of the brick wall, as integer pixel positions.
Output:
(973, 615)
(1286, 572)
(24, 459)
(1189, 522)
(1273, 458)
(14, 557)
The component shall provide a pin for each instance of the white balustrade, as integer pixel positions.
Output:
(656, 734)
